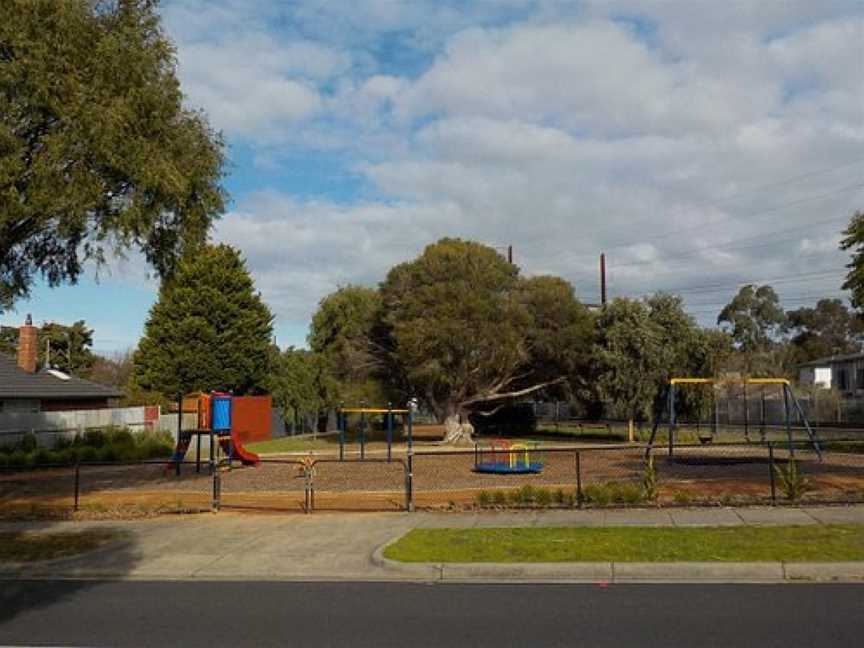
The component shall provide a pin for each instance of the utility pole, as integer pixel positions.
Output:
(510, 254)
(602, 279)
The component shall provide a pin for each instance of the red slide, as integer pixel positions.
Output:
(239, 451)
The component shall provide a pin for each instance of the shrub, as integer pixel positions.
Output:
(107, 453)
(484, 499)
(94, 438)
(596, 494)
(649, 480)
(558, 496)
(28, 443)
(792, 482)
(543, 497)
(682, 497)
(119, 437)
(526, 495)
(87, 453)
(62, 443)
(20, 459)
(42, 456)
(613, 493)
(499, 497)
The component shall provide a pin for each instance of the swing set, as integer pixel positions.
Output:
(707, 434)
(363, 425)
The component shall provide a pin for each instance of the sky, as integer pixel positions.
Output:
(700, 145)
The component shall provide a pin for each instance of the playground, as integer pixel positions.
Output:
(385, 467)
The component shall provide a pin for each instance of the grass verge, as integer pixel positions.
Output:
(815, 543)
(31, 547)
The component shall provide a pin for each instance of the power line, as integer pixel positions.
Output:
(734, 244)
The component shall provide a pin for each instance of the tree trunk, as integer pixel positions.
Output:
(456, 433)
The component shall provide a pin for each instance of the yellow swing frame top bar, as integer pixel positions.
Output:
(372, 410)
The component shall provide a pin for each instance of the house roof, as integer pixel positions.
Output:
(835, 359)
(17, 383)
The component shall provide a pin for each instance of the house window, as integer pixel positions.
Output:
(842, 380)
(859, 378)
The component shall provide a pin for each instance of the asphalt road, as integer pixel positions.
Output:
(135, 613)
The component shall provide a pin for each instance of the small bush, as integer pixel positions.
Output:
(682, 497)
(649, 480)
(94, 438)
(613, 493)
(28, 443)
(596, 494)
(526, 495)
(792, 482)
(499, 498)
(543, 497)
(86, 453)
(20, 459)
(119, 437)
(42, 456)
(558, 496)
(107, 453)
(484, 499)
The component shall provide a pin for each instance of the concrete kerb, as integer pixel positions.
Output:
(609, 572)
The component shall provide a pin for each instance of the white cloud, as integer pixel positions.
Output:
(678, 137)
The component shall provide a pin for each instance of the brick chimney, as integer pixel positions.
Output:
(28, 346)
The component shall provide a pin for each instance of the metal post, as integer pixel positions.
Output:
(389, 431)
(212, 451)
(762, 413)
(409, 481)
(715, 424)
(786, 414)
(771, 472)
(801, 415)
(179, 429)
(602, 279)
(746, 414)
(197, 451)
(671, 416)
(578, 479)
(340, 425)
(217, 485)
(410, 430)
(77, 483)
(362, 435)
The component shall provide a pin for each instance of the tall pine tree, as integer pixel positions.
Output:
(209, 330)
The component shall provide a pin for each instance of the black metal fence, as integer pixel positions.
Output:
(556, 476)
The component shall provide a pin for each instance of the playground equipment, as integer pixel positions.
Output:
(363, 425)
(707, 433)
(503, 457)
(214, 421)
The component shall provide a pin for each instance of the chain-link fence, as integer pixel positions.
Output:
(519, 475)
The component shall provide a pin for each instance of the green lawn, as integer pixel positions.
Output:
(632, 544)
(29, 547)
(294, 444)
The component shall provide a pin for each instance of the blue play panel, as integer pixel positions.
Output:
(506, 469)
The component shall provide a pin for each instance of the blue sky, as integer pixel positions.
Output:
(702, 145)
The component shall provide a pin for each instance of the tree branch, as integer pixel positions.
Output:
(513, 394)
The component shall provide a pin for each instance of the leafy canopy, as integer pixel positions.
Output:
(754, 318)
(853, 239)
(209, 330)
(70, 347)
(96, 149)
(465, 330)
(827, 329)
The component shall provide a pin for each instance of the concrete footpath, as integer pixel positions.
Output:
(348, 547)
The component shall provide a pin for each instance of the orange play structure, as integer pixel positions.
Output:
(232, 420)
